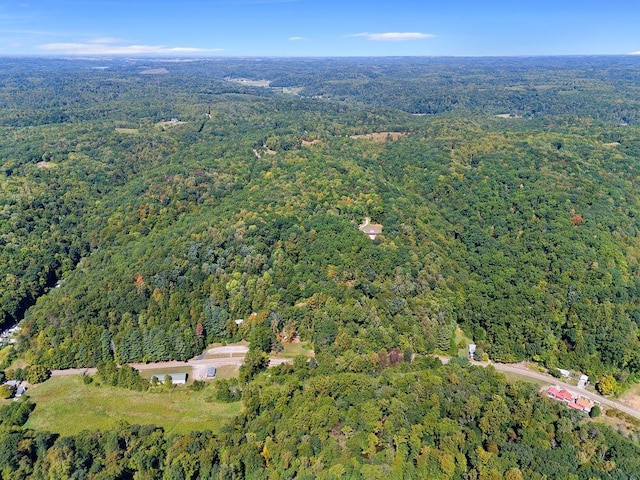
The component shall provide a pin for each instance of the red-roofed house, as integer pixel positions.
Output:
(553, 392)
(580, 403)
(565, 396)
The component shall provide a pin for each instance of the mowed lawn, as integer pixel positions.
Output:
(65, 405)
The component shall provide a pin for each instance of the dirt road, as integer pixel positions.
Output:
(73, 371)
(198, 366)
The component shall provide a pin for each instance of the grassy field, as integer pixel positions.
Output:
(226, 371)
(127, 130)
(65, 405)
(292, 350)
(515, 377)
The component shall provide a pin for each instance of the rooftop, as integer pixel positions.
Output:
(371, 229)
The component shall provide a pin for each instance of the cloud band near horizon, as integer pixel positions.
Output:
(107, 47)
(394, 36)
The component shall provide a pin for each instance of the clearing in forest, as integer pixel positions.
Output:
(169, 123)
(249, 82)
(154, 71)
(65, 405)
(507, 115)
(380, 136)
(45, 164)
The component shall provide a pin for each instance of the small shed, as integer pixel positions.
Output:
(211, 372)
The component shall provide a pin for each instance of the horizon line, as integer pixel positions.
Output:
(221, 56)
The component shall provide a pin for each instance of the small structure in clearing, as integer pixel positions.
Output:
(370, 229)
(170, 123)
(16, 387)
(176, 378)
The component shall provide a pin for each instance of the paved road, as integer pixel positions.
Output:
(554, 381)
(520, 370)
(200, 365)
(525, 372)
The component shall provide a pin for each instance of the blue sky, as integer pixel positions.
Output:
(318, 28)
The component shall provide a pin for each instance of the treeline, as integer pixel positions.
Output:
(530, 87)
(417, 420)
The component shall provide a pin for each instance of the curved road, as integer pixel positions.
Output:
(503, 367)
(200, 366)
(525, 372)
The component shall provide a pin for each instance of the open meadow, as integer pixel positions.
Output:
(65, 405)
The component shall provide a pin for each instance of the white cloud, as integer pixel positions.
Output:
(635, 53)
(298, 39)
(108, 46)
(106, 40)
(394, 36)
(39, 33)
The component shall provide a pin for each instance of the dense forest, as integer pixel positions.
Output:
(420, 421)
(146, 205)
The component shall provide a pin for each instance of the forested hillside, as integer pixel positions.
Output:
(521, 230)
(146, 206)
